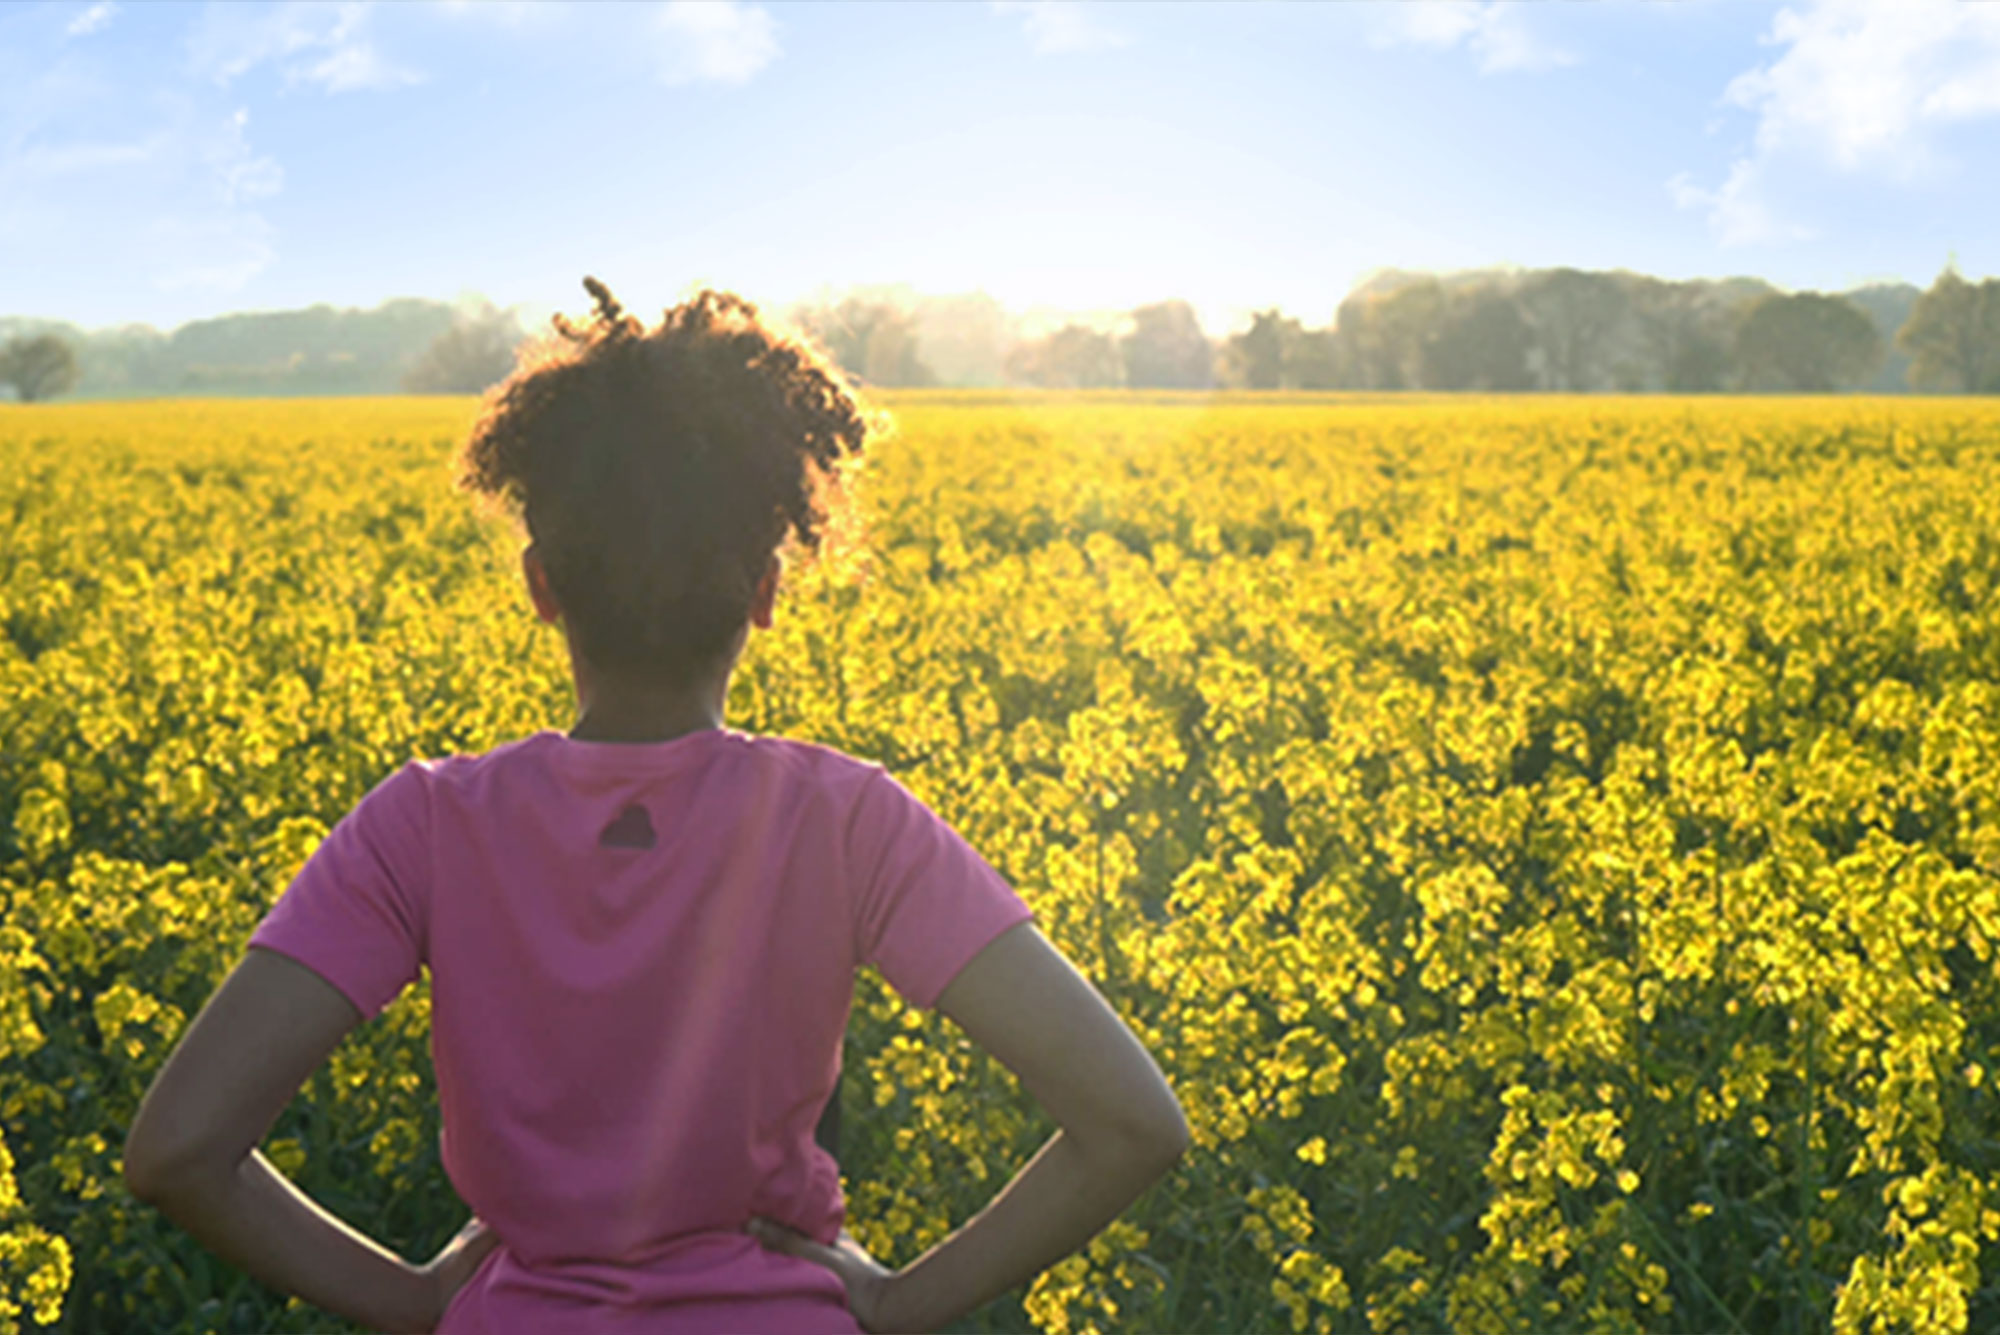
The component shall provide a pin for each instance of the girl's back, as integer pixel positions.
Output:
(642, 935)
(641, 960)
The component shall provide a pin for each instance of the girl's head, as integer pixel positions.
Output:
(658, 471)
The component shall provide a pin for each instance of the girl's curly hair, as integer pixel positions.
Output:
(657, 471)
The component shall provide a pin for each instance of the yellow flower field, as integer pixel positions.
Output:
(1553, 845)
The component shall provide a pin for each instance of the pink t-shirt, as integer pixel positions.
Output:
(641, 959)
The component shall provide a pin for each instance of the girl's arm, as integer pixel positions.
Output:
(192, 1152)
(1121, 1129)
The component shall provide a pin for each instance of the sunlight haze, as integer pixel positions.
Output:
(164, 162)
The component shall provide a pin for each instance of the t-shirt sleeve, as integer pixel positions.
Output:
(925, 901)
(357, 912)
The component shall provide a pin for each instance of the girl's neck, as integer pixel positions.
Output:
(638, 716)
(597, 726)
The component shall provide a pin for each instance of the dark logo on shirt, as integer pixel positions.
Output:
(632, 829)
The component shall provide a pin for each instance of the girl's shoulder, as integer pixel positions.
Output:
(812, 757)
(830, 774)
(808, 762)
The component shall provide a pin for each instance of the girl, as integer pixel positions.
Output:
(642, 934)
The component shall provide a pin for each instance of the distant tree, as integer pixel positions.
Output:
(1073, 357)
(1382, 333)
(1278, 352)
(1682, 332)
(874, 341)
(1805, 342)
(1167, 349)
(1573, 314)
(120, 361)
(1699, 364)
(473, 354)
(963, 338)
(1255, 358)
(1889, 305)
(38, 367)
(1364, 356)
(1953, 336)
(1482, 343)
(1314, 360)
(842, 330)
(893, 358)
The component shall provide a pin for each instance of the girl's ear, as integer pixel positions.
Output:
(766, 597)
(538, 585)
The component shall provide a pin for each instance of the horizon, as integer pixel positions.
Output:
(1036, 318)
(170, 163)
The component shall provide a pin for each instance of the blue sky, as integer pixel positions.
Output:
(162, 162)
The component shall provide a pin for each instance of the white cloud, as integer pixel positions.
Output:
(209, 236)
(349, 66)
(1737, 212)
(316, 43)
(92, 19)
(70, 159)
(239, 173)
(716, 41)
(1860, 86)
(1492, 31)
(122, 175)
(1060, 27)
(173, 205)
(506, 13)
(211, 252)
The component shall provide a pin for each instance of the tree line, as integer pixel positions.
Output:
(1564, 330)
(406, 345)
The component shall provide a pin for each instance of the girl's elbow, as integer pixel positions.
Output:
(1172, 1137)
(156, 1171)
(148, 1176)
(1139, 1142)
(1159, 1137)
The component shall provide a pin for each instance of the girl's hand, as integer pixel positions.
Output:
(455, 1263)
(868, 1281)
